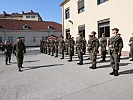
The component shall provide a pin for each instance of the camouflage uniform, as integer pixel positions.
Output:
(56, 48)
(103, 44)
(62, 47)
(131, 48)
(19, 50)
(8, 51)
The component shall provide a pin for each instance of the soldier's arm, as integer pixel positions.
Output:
(24, 48)
(120, 45)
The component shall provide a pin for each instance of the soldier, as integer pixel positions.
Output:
(115, 44)
(103, 44)
(80, 47)
(8, 51)
(45, 46)
(71, 44)
(48, 46)
(76, 45)
(19, 50)
(52, 47)
(66, 46)
(131, 47)
(62, 47)
(89, 45)
(56, 47)
(84, 47)
(41, 46)
(94, 49)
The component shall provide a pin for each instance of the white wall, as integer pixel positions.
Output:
(28, 36)
(119, 11)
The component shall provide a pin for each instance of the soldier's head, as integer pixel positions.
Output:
(115, 31)
(93, 33)
(18, 39)
(103, 35)
(89, 36)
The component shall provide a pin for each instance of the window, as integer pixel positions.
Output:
(27, 16)
(10, 39)
(67, 13)
(81, 30)
(81, 6)
(67, 33)
(34, 39)
(25, 26)
(0, 39)
(104, 27)
(32, 16)
(23, 38)
(101, 1)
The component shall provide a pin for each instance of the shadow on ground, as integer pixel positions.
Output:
(127, 72)
(107, 66)
(37, 67)
(30, 61)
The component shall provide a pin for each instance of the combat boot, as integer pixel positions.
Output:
(6, 63)
(80, 63)
(131, 59)
(116, 73)
(112, 73)
(19, 69)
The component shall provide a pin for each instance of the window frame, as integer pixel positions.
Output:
(67, 13)
(82, 8)
(103, 24)
(98, 2)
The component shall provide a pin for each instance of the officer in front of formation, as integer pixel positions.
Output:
(8, 51)
(131, 47)
(19, 50)
(115, 44)
(62, 47)
(103, 44)
(80, 48)
(71, 44)
(94, 46)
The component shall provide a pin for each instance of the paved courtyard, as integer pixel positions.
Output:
(49, 78)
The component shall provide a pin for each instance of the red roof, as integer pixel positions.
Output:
(8, 24)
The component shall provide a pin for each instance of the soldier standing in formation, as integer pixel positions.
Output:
(8, 51)
(52, 47)
(94, 49)
(131, 47)
(115, 44)
(89, 46)
(19, 50)
(80, 48)
(71, 44)
(66, 46)
(56, 47)
(62, 47)
(103, 44)
(48, 46)
(84, 47)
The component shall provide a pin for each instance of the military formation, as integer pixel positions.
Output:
(71, 47)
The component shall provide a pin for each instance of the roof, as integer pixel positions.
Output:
(8, 24)
(64, 2)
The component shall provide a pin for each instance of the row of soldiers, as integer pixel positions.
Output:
(115, 45)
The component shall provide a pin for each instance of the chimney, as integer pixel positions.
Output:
(4, 13)
(22, 12)
(32, 11)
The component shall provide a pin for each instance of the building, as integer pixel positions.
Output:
(31, 32)
(84, 16)
(24, 16)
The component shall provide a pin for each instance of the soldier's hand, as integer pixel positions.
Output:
(110, 46)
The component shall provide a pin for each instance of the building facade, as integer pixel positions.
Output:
(31, 32)
(84, 16)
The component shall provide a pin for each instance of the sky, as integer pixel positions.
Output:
(49, 10)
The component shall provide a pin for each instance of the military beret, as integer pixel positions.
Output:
(116, 29)
(93, 32)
